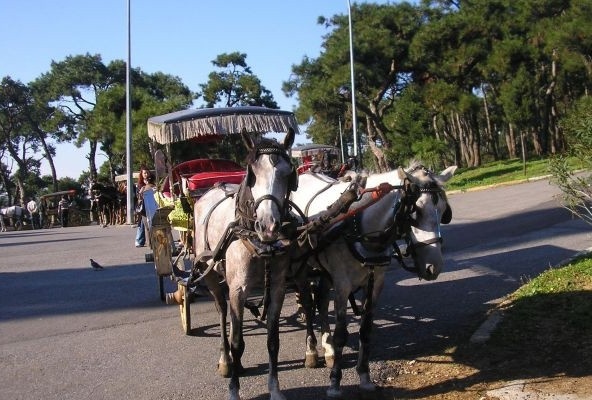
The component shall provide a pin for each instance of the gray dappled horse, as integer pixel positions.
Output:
(15, 214)
(401, 204)
(239, 233)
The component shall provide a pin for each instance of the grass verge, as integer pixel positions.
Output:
(501, 172)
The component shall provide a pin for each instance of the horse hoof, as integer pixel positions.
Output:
(329, 361)
(223, 370)
(311, 361)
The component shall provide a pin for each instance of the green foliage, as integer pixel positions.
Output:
(547, 318)
(69, 184)
(382, 36)
(235, 84)
(576, 188)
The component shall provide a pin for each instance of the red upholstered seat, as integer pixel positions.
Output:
(205, 180)
(203, 173)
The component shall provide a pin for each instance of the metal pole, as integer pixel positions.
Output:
(128, 122)
(353, 83)
(341, 142)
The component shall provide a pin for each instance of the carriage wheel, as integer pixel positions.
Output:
(185, 309)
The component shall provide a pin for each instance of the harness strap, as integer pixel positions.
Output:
(377, 193)
(369, 290)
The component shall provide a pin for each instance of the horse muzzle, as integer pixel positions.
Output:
(267, 232)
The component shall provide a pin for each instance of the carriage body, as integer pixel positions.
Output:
(48, 204)
(312, 156)
(187, 181)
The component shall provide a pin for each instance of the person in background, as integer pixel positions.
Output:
(64, 210)
(42, 212)
(34, 212)
(145, 181)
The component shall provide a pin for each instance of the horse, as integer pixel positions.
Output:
(247, 224)
(405, 204)
(15, 214)
(106, 201)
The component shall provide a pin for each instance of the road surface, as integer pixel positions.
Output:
(68, 332)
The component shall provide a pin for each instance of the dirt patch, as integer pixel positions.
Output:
(442, 377)
(541, 349)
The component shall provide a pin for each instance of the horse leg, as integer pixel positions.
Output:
(340, 339)
(278, 292)
(365, 332)
(322, 299)
(237, 296)
(364, 351)
(217, 291)
(311, 356)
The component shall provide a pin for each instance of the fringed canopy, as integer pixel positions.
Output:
(206, 122)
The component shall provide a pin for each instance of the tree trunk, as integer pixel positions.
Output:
(462, 139)
(549, 122)
(511, 141)
(374, 134)
(49, 158)
(91, 158)
(490, 135)
(20, 188)
(536, 142)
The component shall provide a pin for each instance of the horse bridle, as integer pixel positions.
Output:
(246, 206)
(416, 192)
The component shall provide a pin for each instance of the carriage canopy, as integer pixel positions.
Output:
(313, 149)
(209, 123)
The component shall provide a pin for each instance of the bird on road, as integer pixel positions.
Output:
(95, 265)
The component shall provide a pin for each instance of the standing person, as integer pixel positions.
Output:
(34, 212)
(63, 210)
(2, 225)
(145, 181)
(42, 212)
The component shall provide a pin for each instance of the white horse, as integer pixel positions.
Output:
(15, 214)
(239, 233)
(401, 204)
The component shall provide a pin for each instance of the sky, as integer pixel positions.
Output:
(176, 37)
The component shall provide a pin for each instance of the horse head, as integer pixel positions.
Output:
(424, 207)
(271, 176)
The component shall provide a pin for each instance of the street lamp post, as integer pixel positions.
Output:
(353, 84)
(128, 122)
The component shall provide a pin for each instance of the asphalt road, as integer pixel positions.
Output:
(68, 332)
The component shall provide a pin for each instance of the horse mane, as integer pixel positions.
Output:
(429, 178)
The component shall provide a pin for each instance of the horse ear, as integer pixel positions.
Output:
(404, 174)
(445, 175)
(247, 140)
(289, 139)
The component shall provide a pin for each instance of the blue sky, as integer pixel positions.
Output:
(177, 37)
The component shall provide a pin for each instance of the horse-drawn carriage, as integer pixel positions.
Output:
(315, 156)
(169, 208)
(48, 209)
(248, 234)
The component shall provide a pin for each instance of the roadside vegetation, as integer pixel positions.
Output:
(504, 171)
(543, 338)
(542, 342)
